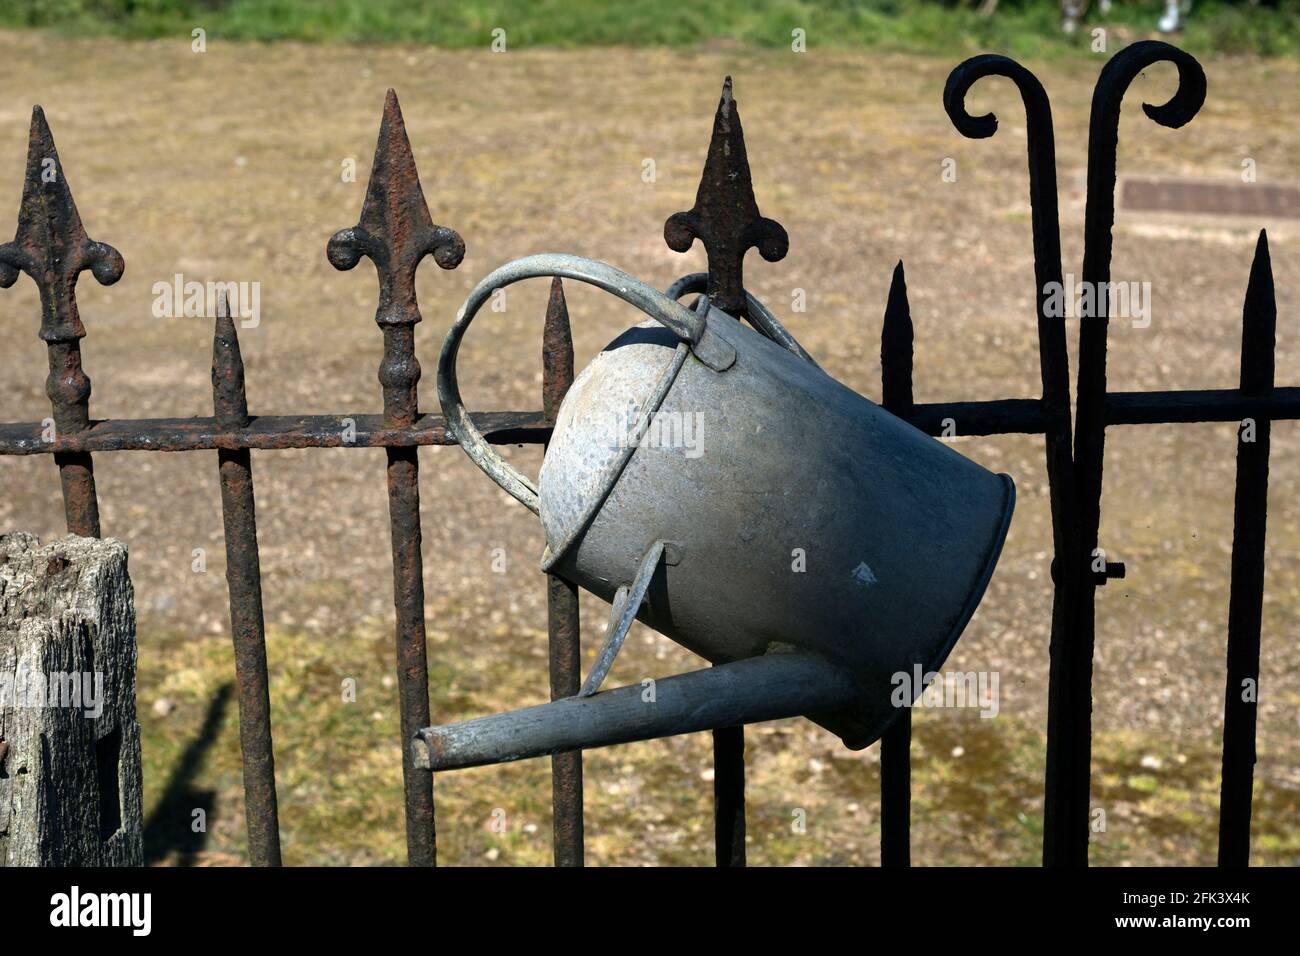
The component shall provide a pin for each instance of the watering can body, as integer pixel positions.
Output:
(808, 540)
(797, 513)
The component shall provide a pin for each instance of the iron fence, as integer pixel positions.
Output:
(396, 233)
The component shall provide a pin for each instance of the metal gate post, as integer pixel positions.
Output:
(396, 232)
(562, 622)
(244, 584)
(726, 220)
(52, 247)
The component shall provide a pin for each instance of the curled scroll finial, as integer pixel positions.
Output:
(396, 232)
(1042, 199)
(1103, 136)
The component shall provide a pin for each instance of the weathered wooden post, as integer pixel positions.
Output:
(70, 781)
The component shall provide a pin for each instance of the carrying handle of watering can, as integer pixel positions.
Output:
(690, 327)
(760, 316)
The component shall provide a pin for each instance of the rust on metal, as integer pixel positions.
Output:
(726, 220)
(396, 232)
(268, 433)
(562, 620)
(412, 659)
(229, 398)
(244, 584)
(566, 678)
(725, 217)
(52, 247)
(557, 351)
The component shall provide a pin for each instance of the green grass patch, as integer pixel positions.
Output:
(976, 791)
(1018, 27)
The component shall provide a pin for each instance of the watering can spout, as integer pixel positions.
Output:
(755, 689)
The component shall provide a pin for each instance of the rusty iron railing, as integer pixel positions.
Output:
(396, 232)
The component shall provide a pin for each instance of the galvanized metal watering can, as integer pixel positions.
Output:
(803, 540)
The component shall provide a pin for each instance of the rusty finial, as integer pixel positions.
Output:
(229, 400)
(725, 216)
(51, 246)
(557, 352)
(396, 232)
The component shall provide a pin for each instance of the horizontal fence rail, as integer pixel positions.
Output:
(267, 432)
(395, 231)
(1010, 416)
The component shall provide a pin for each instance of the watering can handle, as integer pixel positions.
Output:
(688, 326)
(760, 317)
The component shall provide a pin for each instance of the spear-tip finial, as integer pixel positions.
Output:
(395, 230)
(51, 244)
(1259, 322)
(1260, 296)
(557, 352)
(896, 346)
(229, 399)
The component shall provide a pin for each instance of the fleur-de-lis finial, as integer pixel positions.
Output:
(52, 247)
(396, 232)
(725, 217)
